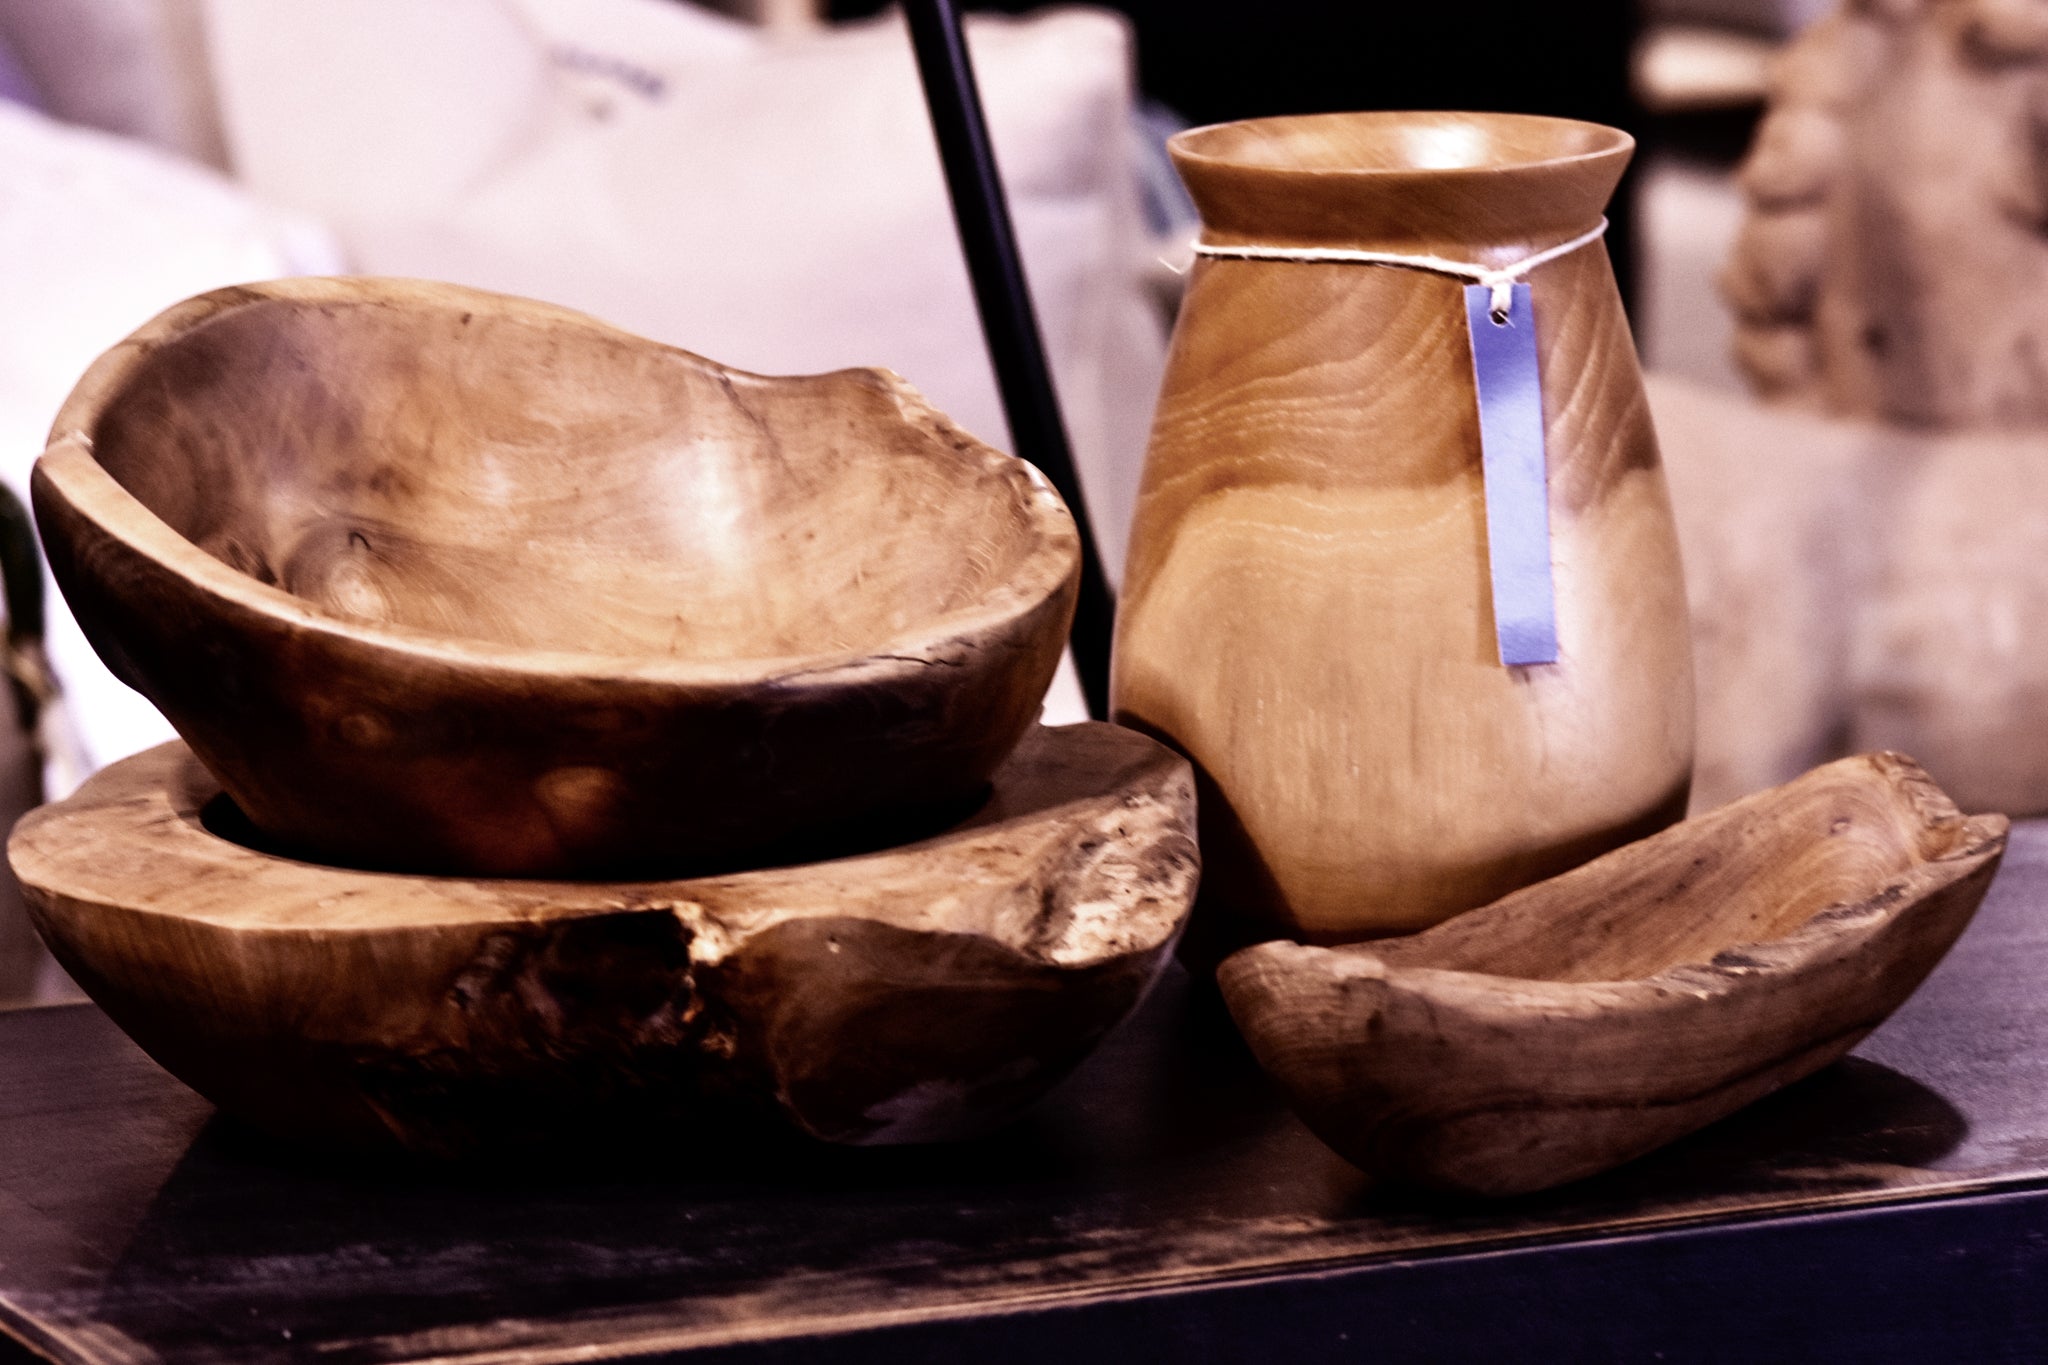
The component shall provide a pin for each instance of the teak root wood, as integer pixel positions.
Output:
(926, 992)
(1307, 612)
(1586, 1020)
(445, 581)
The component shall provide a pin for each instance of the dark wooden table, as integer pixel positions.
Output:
(1160, 1206)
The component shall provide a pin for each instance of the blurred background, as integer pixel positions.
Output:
(757, 183)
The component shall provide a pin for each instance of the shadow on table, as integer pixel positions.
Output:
(1854, 1127)
(1167, 1156)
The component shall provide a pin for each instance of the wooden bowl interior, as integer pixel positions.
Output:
(1762, 876)
(539, 482)
(1395, 141)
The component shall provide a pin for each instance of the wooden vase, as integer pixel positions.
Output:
(1307, 611)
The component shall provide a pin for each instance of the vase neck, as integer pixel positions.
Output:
(1485, 188)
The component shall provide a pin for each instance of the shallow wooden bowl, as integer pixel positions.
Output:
(925, 992)
(441, 580)
(1586, 1020)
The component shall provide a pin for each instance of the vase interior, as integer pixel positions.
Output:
(1396, 141)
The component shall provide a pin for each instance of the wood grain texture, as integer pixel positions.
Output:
(1584, 1021)
(1307, 610)
(925, 992)
(1162, 1200)
(440, 580)
(1893, 257)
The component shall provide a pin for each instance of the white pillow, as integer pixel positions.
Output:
(136, 67)
(98, 234)
(775, 204)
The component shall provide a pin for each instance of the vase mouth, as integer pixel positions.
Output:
(1393, 142)
(1490, 188)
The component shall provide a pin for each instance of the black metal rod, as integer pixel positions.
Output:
(1008, 324)
(22, 659)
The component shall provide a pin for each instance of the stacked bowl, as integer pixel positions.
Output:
(580, 732)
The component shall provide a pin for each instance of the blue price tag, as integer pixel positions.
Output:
(1517, 491)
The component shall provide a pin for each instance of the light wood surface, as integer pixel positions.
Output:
(1307, 611)
(926, 992)
(1815, 637)
(1584, 1021)
(1894, 262)
(436, 579)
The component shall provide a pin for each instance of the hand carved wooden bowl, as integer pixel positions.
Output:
(1585, 1020)
(924, 992)
(440, 580)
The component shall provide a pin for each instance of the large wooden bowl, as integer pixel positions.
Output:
(925, 992)
(1583, 1021)
(436, 579)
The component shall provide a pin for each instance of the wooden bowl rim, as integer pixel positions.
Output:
(1210, 144)
(68, 469)
(1762, 963)
(153, 802)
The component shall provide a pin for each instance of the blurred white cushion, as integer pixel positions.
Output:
(135, 67)
(775, 204)
(98, 234)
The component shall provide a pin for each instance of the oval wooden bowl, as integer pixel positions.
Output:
(440, 580)
(1585, 1020)
(926, 992)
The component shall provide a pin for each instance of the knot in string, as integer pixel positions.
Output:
(1499, 281)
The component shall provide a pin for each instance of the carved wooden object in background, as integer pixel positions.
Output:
(1306, 606)
(1870, 580)
(437, 579)
(924, 992)
(1895, 259)
(1589, 1019)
